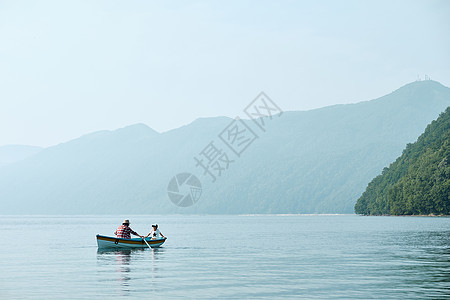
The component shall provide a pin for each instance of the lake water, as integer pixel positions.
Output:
(295, 256)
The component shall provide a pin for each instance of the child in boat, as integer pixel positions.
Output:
(155, 233)
(124, 231)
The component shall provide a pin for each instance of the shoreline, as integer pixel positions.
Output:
(429, 216)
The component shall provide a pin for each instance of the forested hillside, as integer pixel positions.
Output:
(418, 182)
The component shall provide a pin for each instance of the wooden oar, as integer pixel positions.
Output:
(147, 243)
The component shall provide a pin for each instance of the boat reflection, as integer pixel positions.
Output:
(121, 259)
(128, 263)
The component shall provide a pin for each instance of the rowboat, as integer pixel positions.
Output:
(114, 242)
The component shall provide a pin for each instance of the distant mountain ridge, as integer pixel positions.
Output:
(13, 153)
(317, 161)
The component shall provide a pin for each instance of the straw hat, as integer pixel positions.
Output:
(126, 222)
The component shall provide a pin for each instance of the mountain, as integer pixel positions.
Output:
(317, 161)
(418, 182)
(12, 153)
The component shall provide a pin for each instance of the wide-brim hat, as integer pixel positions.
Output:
(126, 221)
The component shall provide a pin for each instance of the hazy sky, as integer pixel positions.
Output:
(72, 67)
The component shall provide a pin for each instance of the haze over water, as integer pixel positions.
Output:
(306, 256)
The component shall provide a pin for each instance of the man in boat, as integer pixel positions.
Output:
(155, 233)
(124, 231)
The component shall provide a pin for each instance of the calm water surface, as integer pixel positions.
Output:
(272, 257)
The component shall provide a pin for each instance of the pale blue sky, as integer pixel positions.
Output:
(72, 67)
